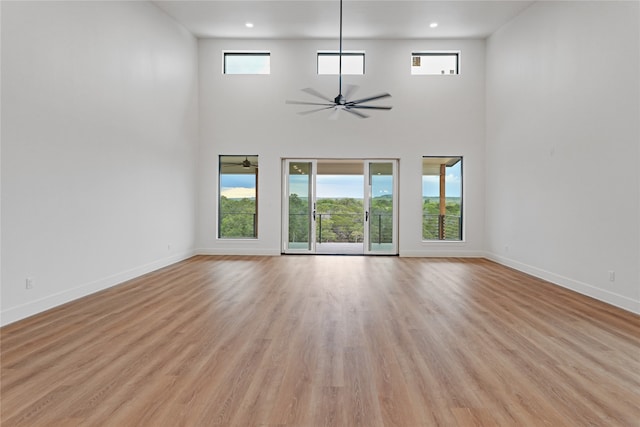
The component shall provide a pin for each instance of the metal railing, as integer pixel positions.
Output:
(381, 228)
(441, 227)
(342, 227)
(339, 227)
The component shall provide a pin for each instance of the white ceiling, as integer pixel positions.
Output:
(364, 19)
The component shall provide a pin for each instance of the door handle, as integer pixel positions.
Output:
(366, 216)
(314, 215)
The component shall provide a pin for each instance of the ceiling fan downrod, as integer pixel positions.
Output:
(340, 60)
(340, 102)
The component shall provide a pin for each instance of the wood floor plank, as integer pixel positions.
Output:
(325, 341)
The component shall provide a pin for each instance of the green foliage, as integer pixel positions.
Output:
(298, 219)
(338, 220)
(381, 219)
(237, 218)
(430, 215)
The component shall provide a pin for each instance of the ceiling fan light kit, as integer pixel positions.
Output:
(341, 101)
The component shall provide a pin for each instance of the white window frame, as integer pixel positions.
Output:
(247, 53)
(427, 53)
(462, 222)
(219, 212)
(336, 53)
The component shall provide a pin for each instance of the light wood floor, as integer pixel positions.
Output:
(325, 341)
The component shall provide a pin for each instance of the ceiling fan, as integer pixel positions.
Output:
(341, 102)
(246, 164)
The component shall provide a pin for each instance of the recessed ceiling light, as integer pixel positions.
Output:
(249, 25)
(433, 25)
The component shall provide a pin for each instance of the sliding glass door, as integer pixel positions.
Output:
(381, 206)
(299, 208)
(337, 224)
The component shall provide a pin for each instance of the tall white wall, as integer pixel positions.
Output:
(431, 115)
(99, 147)
(563, 147)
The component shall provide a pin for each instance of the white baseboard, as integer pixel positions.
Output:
(603, 295)
(439, 253)
(14, 314)
(31, 308)
(238, 251)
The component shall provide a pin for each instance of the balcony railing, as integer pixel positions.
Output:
(381, 228)
(339, 228)
(441, 227)
(342, 227)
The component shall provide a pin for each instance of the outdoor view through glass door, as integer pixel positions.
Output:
(299, 208)
(348, 206)
(381, 206)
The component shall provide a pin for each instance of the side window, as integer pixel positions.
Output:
(238, 197)
(441, 198)
(352, 62)
(257, 62)
(435, 62)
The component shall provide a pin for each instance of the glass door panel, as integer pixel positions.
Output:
(381, 207)
(299, 209)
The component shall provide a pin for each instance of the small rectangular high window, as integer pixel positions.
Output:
(352, 62)
(257, 62)
(435, 62)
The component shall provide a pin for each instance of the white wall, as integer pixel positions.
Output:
(99, 146)
(563, 138)
(431, 115)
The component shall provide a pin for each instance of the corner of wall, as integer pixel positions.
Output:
(32, 308)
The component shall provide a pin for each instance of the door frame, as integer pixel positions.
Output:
(367, 206)
(311, 249)
(367, 196)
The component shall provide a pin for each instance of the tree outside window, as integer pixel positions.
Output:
(238, 197)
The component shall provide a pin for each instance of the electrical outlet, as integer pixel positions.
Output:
(29, 283)
(612, 276)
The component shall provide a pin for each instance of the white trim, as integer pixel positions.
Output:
(436, 52)
(336, 52)
(439, 253)
(31, 308)
(327, 53)
(238, 251)
(366, 204)
(611, 298)
(245, 52)
(311, 198)
(14, 314)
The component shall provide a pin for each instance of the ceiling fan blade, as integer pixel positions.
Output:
(371, 98)
(316, 94)
(369, 107)
(308, 103)
(350, 90)
(225, 165)
(302, 113)
(357, 113)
